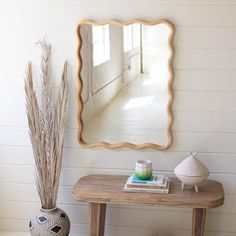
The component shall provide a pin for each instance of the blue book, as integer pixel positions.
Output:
(136, 179)
(154, 180)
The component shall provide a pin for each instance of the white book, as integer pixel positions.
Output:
(148, 190)
(160, 182)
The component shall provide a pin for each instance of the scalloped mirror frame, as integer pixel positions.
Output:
(169, 86)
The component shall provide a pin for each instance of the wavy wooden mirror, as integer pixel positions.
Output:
(125, 84)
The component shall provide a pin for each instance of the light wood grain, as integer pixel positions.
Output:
(99, 190)
(97, 213)
(199, 216)
(109, 189)
(125, 144)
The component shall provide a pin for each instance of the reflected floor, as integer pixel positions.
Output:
(137, 115)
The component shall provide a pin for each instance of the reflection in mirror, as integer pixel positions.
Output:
(126, 77)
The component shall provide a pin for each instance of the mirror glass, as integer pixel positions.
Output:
(126, 76)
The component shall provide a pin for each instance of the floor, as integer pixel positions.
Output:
(4, 233)
(137, 115)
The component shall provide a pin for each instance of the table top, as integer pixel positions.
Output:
(109, 189)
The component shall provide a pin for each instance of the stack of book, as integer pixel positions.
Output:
(157, 184)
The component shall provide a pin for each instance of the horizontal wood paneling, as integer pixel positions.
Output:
(184, 80)
(185, 37)
(185, 58)
(183, 141)
(180, 15)
(69, 176)
(221, 101)
(204, 101)
(104, 158)
(213, 59)
(126, 217)
(204, 80)
(205, 121)
(193, 121)
(121, 2)
(205, 37)
(28, 193)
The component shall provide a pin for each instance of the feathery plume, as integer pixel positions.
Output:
(46, 128)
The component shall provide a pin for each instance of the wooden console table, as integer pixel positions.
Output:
(99, 190)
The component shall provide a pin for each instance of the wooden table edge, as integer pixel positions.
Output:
(97, 205)
(214, 204)
(208, 205)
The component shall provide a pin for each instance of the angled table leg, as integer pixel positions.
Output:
(97, 215)
(199, 215)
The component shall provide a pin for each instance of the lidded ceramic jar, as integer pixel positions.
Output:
(191, 171)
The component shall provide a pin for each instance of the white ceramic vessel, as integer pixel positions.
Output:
(191, 171)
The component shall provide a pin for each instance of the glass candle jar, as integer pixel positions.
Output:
(143, 169)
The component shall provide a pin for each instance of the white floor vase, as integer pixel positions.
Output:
(53, 222)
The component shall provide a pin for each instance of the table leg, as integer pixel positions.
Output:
(199, 215)
(97, 214)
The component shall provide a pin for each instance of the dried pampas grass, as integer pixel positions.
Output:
(46, 128)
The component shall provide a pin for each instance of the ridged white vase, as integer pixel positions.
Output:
(52, 222)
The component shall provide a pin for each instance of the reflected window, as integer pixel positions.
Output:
(101, 44)
(131, 35)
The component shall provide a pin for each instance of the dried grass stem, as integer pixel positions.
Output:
(46, 129)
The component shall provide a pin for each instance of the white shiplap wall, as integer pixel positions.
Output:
(204, 109)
